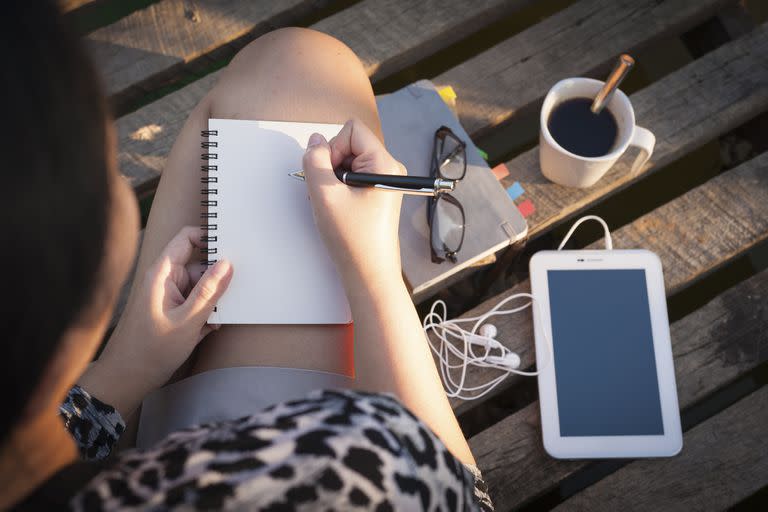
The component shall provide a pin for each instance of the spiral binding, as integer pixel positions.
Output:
(207, 191)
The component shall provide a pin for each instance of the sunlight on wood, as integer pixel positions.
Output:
(147, 132)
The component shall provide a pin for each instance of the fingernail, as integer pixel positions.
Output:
(221, 268)
(314, 140)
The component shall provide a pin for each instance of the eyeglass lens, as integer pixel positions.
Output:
(451, 158)
(447, 226)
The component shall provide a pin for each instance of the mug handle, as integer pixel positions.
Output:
(645, 141)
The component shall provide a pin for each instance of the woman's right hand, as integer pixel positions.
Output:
(359, 225)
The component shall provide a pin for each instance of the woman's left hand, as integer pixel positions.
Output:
(163, 322)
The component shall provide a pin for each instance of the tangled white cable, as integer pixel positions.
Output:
(455, 341)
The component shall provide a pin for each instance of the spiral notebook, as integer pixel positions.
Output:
(261, 221)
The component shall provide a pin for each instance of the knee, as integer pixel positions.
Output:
(298, 36)
(295, 74)
(302, 43)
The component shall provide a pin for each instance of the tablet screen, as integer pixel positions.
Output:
(605, 368)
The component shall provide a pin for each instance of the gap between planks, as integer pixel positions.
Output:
(569, 43)
(693, 235)
(151, 46)
(511, 79)
(686, 109)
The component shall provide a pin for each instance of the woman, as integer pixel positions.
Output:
(74, 220)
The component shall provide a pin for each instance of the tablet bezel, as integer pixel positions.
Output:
(580, 447)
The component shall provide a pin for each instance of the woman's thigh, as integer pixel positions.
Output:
(286, 75)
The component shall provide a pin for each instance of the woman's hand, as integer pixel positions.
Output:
(163, 322)
(359, 225)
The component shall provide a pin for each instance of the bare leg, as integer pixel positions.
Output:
(286, 75)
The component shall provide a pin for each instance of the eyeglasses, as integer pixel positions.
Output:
(445, 215)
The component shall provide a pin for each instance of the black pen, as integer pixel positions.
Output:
(414, 185)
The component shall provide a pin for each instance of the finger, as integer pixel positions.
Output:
(357, 148)
(195, 269)
(354, 139)
(317, 163)
(179, 250)
(208, 290)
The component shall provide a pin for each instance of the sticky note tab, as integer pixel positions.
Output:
(516, 190)
(526, 208)
(448, 94)
(482, 154)
(500, 171)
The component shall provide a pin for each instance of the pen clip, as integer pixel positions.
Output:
(412, 191)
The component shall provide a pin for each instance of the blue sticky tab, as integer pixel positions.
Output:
(515, 191)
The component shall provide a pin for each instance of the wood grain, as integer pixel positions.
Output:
(147, 46)
(723, 462)
(148, 159)
(516, 74)
(72, 5)
(389, 35)
(692, 235)
(150, 46)
(685, 109)
(146, 135)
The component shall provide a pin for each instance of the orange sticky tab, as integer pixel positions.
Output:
(526, 208)
(500, 171)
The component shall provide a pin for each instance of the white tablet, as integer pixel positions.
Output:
(608, 387)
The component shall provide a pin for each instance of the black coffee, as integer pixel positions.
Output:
(577, 129)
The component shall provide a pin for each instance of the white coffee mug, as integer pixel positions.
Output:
(569, 169)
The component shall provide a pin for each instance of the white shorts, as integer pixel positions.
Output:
(225, 394)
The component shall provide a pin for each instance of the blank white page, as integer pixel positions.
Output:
(283, 273)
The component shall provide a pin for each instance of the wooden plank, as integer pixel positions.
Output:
(143, 164)
(146, 136)
(68, 6)
(692, 235)
(390, 35)
(514, 75)
(149, 44)
(723, 462)
(685, 109)
(736, 20)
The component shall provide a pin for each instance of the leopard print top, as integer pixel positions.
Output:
(333, 450)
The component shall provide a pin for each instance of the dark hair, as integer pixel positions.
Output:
(56, 192)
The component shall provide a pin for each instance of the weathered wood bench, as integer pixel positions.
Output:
(501, 57)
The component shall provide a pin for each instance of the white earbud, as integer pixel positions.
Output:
(488, 330)
(456, 346)
(510, 360)
(486, 337)
(457, 349)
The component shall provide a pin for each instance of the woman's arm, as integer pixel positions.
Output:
(163, 322)
(360, 229)
(392, 354)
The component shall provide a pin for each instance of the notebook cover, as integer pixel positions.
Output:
(263, 221)
(409, 119)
